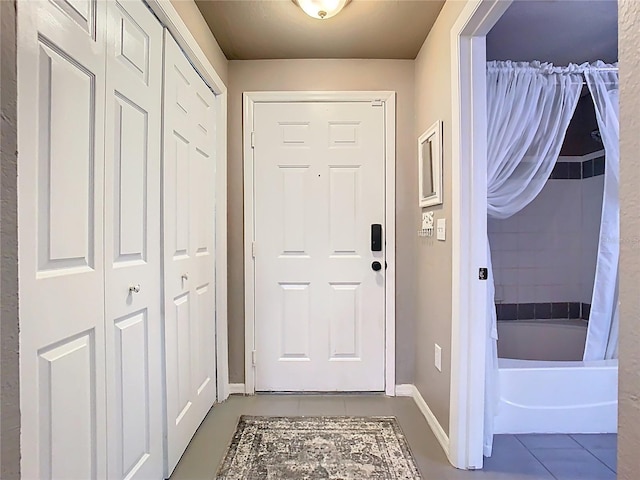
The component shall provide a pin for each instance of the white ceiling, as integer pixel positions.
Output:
(557, 31)
(268, 29)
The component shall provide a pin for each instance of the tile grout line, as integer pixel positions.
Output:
(592, 454)
(537, 459)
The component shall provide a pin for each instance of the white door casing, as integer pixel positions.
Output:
(132, 242)
(319, 185)
(469, 214)
(61, 91)
(189, 219)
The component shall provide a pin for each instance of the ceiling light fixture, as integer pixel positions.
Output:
(321, 9)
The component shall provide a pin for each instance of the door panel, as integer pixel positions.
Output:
(181, 352)
(61, 89)
(83, 12)
(70, 440)
(130, 195)
(132, 242)
(294, 181)
(189, 219)
(319, 186)
(132, 387)
(66, 157)
(344, 186)
(345, 314)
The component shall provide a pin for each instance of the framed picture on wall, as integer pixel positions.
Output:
(430, 166)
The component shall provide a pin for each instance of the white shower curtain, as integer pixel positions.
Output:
(529, 107)
(602, 333)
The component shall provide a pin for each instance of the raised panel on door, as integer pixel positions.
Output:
(130, 166)
(66, 162)
(295, 317)
(294, 209)
(61, 91)
(82, 12)
(177, 171)
(68, 447)
(189, 250)
(180, 333)
(132, 242)
(345, 226)
(203, 360)
(319, 306)
(132, 392)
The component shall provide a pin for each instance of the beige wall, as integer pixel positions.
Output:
(396, 75)
(9, 374)
(433, 317)
(192, 17)
(629, 390)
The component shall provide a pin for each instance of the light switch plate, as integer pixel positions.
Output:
(441, 229)
(438, 357)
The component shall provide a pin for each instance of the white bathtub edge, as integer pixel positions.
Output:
(582, 397)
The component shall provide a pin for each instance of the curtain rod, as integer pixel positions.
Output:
(604, 69)
(597, 69)
(601, 69)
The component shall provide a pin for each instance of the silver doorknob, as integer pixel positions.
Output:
(185, 276)
(134, 288)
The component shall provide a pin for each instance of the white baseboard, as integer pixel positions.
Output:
(408, 390)
(236, 388)
(404, 390)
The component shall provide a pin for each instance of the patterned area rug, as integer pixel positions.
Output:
(310, 448)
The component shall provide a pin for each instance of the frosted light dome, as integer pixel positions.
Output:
(321, 9)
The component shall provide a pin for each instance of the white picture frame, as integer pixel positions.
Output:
(430, 166)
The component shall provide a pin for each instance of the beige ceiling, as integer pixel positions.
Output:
(268, 29)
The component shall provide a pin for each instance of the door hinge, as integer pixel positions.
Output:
(253, 139)
(253, 249)
(377, 103)
(253, 358)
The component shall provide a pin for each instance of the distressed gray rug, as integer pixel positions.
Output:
(310, 448)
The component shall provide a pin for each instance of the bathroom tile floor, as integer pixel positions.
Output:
(515, 457)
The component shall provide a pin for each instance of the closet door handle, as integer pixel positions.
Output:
(185, 276)
(134, 288)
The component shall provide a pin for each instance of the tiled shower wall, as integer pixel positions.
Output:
(547, 252)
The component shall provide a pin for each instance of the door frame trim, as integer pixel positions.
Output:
(389, 100)
(469, 202)
(172, 21)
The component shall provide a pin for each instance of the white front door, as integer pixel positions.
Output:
(61, 90)
(132, 242)
(189, 219)
(319, 297)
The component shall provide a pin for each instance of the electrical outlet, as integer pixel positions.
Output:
(438, 357)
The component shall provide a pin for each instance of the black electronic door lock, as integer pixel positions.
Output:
(376, 237)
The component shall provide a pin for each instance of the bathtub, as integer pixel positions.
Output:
(561, 395)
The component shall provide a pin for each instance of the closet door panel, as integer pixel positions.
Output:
(189, 216)
(61, 72)
(132, 242)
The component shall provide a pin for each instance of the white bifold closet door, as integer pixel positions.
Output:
(189, 270)
(133, 280)
(89, 103)
(61, 114)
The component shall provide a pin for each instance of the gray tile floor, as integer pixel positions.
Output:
(515, 457)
